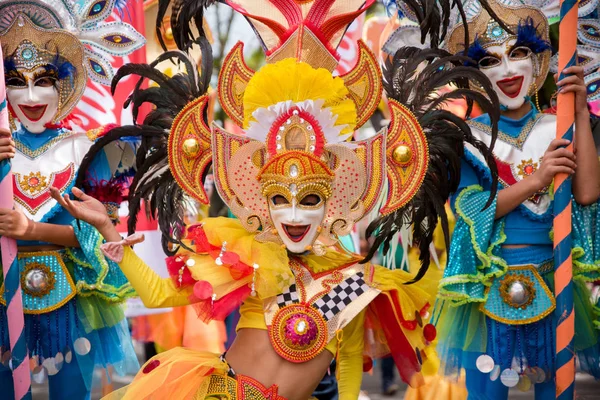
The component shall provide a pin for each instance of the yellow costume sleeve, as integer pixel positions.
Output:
(350, 358)
(154, 291)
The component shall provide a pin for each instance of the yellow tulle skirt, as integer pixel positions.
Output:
(184, 374)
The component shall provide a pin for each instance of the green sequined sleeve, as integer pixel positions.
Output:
(474, 258)
(93, 273)
(586, 242)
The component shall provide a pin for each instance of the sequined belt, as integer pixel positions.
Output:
(239, 387)
(45, 281)
(520, 296)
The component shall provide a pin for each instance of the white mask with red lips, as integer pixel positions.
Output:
(33, 97)
(297, 223)
(511, 71)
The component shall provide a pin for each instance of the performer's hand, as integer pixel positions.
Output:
(556, 160)
(14, 224)
(7, 145)
(574, 84)
(87, 209)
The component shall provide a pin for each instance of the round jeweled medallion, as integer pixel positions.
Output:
(517, 290)
(37, 279)
(298, 333)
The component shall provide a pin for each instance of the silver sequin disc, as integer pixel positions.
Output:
(541, 375)
(37, 369)
(39, 375)
(50, 365)
(485, 363)
(68, 354)
(59, 359)
(82, 346)
(495, 374)
(509, 377)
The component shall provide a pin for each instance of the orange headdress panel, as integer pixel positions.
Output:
(298, 119)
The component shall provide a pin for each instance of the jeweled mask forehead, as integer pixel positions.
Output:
(294, 174)
(296, 130)
(495, 35)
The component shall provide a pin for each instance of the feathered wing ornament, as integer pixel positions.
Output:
(425, 142)
(154, 184)
(183, 12)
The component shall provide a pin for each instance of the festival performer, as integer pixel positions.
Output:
(71, 292)
(296, 183)
(497, 299)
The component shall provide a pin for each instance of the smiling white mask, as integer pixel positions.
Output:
(297, 222)
(33, 96)
(511, 71)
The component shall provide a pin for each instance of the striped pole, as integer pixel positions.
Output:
(563, 264)
(10, 269)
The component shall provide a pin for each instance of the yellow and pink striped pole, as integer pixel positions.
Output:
(563, 264)
(12, 282)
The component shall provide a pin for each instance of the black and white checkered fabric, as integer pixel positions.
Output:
(340, 296)
(289, 296)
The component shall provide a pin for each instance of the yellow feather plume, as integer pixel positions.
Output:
(297, 81)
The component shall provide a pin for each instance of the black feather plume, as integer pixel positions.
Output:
(433, 17)
(183, 13)
(153, 184)
(414, 77)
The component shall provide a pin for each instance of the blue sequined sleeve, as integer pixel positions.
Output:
(474, 258)
(93, 273)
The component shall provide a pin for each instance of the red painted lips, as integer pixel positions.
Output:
(296, 232)
(511, 86)
(33, 113)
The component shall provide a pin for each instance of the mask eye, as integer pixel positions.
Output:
(16, 82)
(45, 81)
(279, 200)
(519, 53)
(310, 200)
(489, 62)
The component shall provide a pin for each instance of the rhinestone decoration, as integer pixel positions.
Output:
(495, 32)
(298, 332)
(27, 56)
(37, 280)
(294, 171)
(517, 290)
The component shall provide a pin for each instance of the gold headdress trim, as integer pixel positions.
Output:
(482, 23)
(233, 80)
(190, 148)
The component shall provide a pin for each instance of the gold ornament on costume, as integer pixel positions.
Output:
(295, 174)
(488, 32)
(33, 183)
(402, 154)
(408, 157)
(527, 168)
(190, 148)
